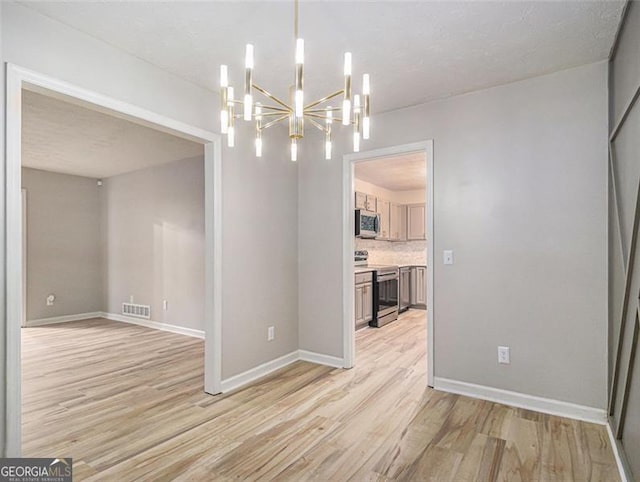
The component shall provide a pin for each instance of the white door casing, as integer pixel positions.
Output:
(348, 243)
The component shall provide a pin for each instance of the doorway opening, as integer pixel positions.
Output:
(21, 84)
(388, 252)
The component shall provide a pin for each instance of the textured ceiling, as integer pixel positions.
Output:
(62, 137)
(397, 173)
(414, 51)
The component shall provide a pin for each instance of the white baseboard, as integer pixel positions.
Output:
(320, 359)
(156, 325)
(265, 369)
(522, 400)
(260, 371)
(617, 455)
(64, 319)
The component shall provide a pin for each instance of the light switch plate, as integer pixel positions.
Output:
(447, 256)
(271, 333)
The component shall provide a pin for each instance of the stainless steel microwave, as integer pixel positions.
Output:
(367, 224)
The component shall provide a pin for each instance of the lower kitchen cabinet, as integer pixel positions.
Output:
(363, 303)
(405, 289)
(419, 286)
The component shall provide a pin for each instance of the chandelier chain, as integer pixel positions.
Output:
(295, 19)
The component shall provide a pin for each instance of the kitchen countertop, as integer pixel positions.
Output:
(375, 267)
(372, 267)
(362, 269)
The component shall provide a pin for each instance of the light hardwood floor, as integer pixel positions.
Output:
(126, 403)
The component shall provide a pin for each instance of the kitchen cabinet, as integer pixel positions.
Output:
(365, 201)
(405, 289)
(419, 286)
(384, 212)
(396, 222)
(363, 303)
(367, 302)
(371, 203)
(416, 228)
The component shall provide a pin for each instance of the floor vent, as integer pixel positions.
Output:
(138, 311)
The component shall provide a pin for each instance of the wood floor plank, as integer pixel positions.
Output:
(127, 403)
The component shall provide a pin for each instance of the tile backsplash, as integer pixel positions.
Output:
(398, 252)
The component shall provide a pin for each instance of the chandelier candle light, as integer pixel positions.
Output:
(352, 112)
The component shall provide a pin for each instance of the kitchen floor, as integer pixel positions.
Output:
(126, 403)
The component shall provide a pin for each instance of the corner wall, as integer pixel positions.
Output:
(64, 244)
(520, 196)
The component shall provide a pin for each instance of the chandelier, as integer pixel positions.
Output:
(354, 110)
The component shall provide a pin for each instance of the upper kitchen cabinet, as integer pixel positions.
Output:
(371, 203)
(416, 228)
(397, 223)
(384, 210)
(365, 201)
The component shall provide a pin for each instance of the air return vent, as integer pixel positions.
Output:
(138, 311)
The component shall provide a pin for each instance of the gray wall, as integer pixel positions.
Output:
(520, 196)
(260, 252)
(64, 255)
(154, 241)
(624, 265)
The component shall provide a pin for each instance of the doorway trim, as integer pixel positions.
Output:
(348, 243)
(23, 321)
(19, 78)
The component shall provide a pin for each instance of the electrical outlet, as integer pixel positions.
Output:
(271, 333)
(51, 299)
(165, 305)
(130, 298)
(503, 355)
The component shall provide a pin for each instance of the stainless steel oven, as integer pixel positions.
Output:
(385, 296)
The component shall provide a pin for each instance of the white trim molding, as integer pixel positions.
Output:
(156, 325)
(617, 455)
(64, 319)
(255, 373)
(523, 400)
(320, 359)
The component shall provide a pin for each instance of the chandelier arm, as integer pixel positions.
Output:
(318, 116)
(320, 111)
(322, 128)
(272, 97)
(280, 113)
(275, 121)
(274, 108)
(324, 99)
